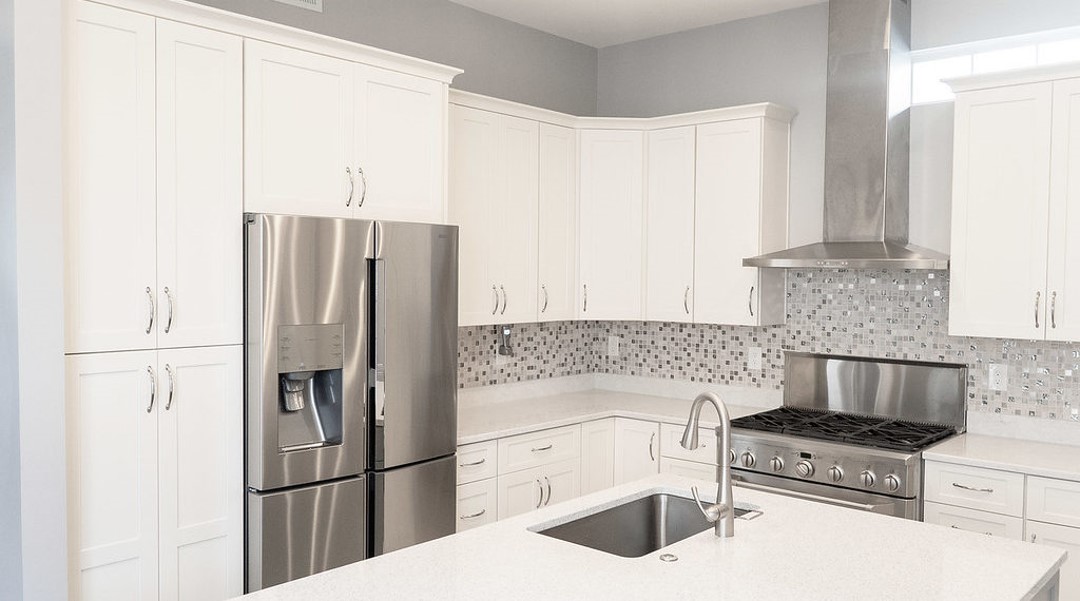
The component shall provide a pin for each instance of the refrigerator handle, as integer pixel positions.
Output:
(378, 375)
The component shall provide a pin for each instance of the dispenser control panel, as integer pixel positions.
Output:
(310, 347)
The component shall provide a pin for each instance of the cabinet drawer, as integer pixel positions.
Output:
(477, 503)
(1053, 501)
(477, 461)
(972, 520)
(525, 490)
(670, 435)
(975, 487)
(688, 469)
(538, 448)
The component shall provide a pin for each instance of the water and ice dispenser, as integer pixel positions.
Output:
(310, 360)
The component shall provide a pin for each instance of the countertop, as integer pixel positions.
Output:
(796, 550)
(480, 421)
(1026, 456)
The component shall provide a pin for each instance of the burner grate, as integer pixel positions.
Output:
(847, 428)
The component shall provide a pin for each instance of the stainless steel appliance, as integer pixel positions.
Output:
(851, 431)
(351, 391)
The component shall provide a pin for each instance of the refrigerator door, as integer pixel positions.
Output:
(414, 404)
(304, 531)
(413, 504)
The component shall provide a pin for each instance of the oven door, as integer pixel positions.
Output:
(832, 495)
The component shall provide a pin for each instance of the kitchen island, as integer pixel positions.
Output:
(795, 550)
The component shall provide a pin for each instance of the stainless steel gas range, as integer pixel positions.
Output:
(851, 431)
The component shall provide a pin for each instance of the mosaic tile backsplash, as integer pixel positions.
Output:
(896, 314)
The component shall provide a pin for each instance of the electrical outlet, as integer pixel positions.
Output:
(998, 376)
(753, 358)
(613, 346)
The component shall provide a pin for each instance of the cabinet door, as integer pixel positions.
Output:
(669, 246)
(298, 132)
(112, 443)
(521, 492)
(400, 146)
(1066, 538)
(637, 449)
(562, 481)
(1001, 173)
(557, 257)
(110, 210)
(597, 455)
(611, 231)
(200, 467)
(474, 155)
(1063, 275)
(514, 227)
(200, 204)
(728, 222)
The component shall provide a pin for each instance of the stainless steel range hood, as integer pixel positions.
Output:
(866, 145)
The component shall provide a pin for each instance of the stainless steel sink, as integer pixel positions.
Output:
(638, 527)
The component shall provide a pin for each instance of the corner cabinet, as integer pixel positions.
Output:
(1016, 209)
(669, 213)
(558, 226)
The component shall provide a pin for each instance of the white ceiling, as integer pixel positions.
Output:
(601, 23)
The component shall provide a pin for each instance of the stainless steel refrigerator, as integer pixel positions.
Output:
(350, 390)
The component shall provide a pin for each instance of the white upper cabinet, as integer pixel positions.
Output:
(1063, 275)
(557, 235)
(110, 211)
(741, 211)
(514, 228)
(669, 215)
(298, 132)
(400, 146)
(199, 186)
(610, 238)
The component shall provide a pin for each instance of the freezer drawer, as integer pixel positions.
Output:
(414, 504)
(304, 531)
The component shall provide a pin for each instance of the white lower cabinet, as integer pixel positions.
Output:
(597, 455)
(477, 503)
(526, 490)
(973, 520)
(688, 469)
(1062, 537)
(637, 449)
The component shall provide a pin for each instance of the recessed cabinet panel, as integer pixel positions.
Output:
(514, 228)
(1063, 276)
(557, 231)
(597, 455)
(1066, 538)
(637, 449)
(669, 216)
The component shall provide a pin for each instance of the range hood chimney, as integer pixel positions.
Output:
(866, 145)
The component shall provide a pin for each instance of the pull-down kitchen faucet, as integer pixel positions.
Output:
(722, 513)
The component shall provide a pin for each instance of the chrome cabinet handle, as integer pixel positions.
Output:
(538, 449)
(1053, 310)
(172, 386)
(585, 301)
(153, 309)
(973, 489)
(153, 388)
(503, 291)
(474, 463)
(686, 300)
(472, 516)
(652, 439)
(352, 186)
(1038, 296)
(540, 489)
(548, 482)
(495, 293)
(543, 289)
(363, 191)
(168, 297)
(750, 301)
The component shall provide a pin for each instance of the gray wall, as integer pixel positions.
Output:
(500, 58)
(778, 58)
(944, 22)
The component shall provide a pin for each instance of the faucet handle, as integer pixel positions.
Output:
(711, 512)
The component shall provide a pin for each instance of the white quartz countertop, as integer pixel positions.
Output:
(797, 550)
(480, 421)
(1026, 456)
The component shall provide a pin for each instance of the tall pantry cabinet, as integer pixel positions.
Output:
(154, 316)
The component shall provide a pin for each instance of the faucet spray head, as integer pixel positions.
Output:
(689, 439)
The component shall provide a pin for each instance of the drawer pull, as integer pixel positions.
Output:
(473, 516)
(1034, 537)
(474, 463)
(973, 489)
(538, 449)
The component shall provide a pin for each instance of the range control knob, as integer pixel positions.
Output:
(867, 478)
(804, 469)
(731, 456)
(892, 483)
(835, 473)
(748, 459)
(777, 464)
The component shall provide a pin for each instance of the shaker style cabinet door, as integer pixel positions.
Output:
(112, 443)
(669, 213)
(610, 238)
(200, 459)
(1063, 275)
(637, 450)
(1061, 537)
(557, 231)
(400, 146)
(298, 132)
(1001, 187)
(109, 233)
(514, 228)
(597, 455)
(199, 186)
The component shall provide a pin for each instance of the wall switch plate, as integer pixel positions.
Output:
(613, 346)
(998, 376)
(753, 358)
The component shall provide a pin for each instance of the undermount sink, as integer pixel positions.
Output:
(638, 527)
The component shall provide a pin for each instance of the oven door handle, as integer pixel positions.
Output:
(810, 497)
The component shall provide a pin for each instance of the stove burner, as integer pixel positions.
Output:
(848, 428)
